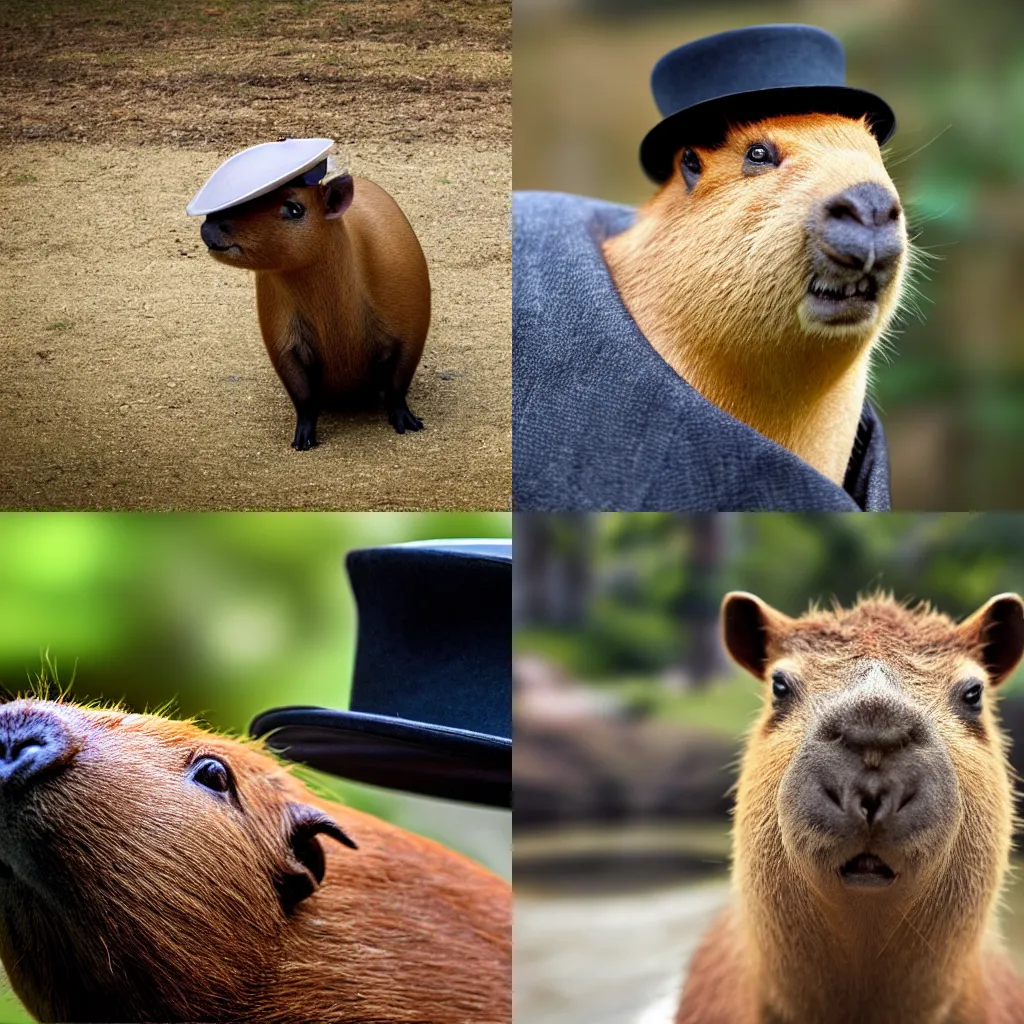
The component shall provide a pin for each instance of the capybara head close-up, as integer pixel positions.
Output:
(765, 271)
(283, 230)
(153, 871)
(874, 813)
(793, 225)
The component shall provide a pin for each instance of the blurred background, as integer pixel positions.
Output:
(952, 395)
(629, 719)
(225, 614)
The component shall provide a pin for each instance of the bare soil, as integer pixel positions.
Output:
(132, 373)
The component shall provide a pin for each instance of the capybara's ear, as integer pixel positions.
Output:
(337, 193)
(304, 863)
(747, 628)
(996, 631)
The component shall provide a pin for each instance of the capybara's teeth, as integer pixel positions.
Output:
(862, 284)
(850, 290)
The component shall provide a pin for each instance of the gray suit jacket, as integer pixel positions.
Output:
(601, 421)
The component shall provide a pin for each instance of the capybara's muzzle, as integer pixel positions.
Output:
(871, 779)
(858, 231)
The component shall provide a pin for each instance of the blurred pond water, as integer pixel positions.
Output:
(618, 957)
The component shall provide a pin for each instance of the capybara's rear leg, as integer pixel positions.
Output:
(301, 373)
(395, 376)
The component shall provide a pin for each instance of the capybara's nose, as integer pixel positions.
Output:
(214, 233)
(32, 743)
(860, 227)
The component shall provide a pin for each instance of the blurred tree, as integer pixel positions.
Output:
(552, 568)
(700, 598)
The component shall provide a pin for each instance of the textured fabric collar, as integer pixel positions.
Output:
(601, 421)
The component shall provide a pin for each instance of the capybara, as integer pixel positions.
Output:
(342, 292)
(873, 822)
(766, 270)
(153, 871)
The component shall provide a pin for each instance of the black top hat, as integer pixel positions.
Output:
(746, 75)
(431, 704)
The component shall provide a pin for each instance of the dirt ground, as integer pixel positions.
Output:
(132, 373)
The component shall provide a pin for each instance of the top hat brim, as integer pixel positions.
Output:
(419, 757)
(705, 124)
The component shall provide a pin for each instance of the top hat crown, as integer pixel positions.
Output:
(431, 700)
(746, 75)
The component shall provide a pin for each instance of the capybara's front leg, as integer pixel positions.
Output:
(396, 375)
(300, 372)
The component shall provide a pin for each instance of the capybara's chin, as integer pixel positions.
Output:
(232, 255)
(845, 317)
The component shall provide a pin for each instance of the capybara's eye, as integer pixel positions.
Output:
(760, 155)
(780, 685)
(212, 774)
(972, 694)
(293, 210)
(691, 161)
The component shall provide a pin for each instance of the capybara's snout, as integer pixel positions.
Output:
(857, 237)
(34, 743)
(216, 233)
(872, 781)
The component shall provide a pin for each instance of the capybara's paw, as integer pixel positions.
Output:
(305, 438)
(404, 419)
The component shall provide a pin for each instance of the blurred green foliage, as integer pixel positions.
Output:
(227, 614)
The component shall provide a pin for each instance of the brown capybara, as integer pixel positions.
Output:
(153, 871)
(766, 271)
(342, 292)
(873, 822)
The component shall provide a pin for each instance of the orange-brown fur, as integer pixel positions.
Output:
(793, 948)
(716, 278)
(159, 900)
(359, 281)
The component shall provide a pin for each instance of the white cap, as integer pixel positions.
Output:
(256, 171)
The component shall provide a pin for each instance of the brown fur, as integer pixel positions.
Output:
(147, 898)
(796, 947)
(355, 288)
(715, 279)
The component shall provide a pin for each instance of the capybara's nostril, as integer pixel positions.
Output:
(876, 797)
(30, 744)
(870, 802)
(860, 227)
